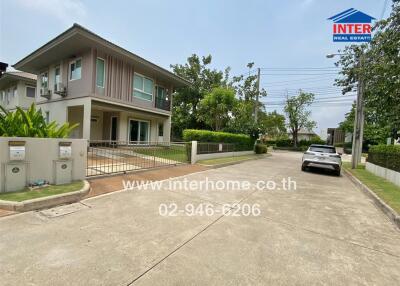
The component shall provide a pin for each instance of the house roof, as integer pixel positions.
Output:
(78, 39)
(303, 131)
(352, 16)
(9, 77)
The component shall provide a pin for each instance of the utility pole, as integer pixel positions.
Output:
(358, 132)
(257, 96)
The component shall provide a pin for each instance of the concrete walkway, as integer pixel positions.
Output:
(326, 233)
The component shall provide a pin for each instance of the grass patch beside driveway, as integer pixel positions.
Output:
(27, 194)
(387, 191)
(226, 160)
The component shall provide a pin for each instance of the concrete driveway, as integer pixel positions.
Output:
(325, 232)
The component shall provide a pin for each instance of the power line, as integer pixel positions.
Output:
(302, 68)
(297, 74)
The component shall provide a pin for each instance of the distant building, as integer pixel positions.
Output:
(304, 134)
(338, 136)
(17, 89)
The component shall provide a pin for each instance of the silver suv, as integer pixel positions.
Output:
(322, 156)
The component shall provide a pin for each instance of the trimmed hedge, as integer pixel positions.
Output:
(387, 156)
(260, 148)
(242, 142)
(301, 143)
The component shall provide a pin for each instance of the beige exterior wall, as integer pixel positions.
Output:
(18, 98)
(76, 110)
(94, 124)
(76, 88)
(38, 166)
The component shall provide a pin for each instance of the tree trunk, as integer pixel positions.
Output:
(295, 139)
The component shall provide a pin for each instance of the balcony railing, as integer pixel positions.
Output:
(162, 103)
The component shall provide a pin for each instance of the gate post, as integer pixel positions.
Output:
(193, 157)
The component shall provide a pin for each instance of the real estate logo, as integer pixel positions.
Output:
(351, 26)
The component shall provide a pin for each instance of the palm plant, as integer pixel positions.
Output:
(31, 123)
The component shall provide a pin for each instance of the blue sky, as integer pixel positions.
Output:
(273, 34)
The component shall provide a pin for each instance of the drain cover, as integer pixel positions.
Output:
(63, 210)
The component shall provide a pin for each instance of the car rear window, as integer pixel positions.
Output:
(323, 149)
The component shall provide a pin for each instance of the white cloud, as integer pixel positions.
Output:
(66, 11)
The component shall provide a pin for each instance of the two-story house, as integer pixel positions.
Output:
(17, 89)
(112, 93)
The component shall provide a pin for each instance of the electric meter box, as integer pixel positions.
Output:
(63, 172)
(65, 151)
(15, 176)
(17, 150)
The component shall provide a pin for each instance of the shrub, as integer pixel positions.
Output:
(31, 123)
(242, 142)
(284, 143)
(260, 148)
(387, 156)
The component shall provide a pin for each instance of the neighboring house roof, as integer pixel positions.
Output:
(352, 16)
(9, 77)
(75, 40)
(303, 131)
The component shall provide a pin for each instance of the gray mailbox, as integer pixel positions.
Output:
(65, 151)
(17, 150)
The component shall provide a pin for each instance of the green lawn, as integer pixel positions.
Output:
(173, 152)
(219, 161)
(26, 194)
(387, 191)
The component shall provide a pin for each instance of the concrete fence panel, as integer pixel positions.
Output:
(48, 159)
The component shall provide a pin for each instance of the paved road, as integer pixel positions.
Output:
(325, 233)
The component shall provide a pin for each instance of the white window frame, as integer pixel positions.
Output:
(26, 91)
(55, 77)
(104, 74)
(142, 91)
(41, 79)
(69, 68)
(129, 132)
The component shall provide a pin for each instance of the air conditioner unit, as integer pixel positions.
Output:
(45, 92)
(60, 89)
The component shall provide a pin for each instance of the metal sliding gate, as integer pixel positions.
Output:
(111, 157)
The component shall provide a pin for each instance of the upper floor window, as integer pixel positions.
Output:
(30, 91)
(75, 69)
(44, 80)
(100, 72)
(57, 76)
(143, 87)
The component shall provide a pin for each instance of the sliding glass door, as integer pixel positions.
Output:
(139, 131)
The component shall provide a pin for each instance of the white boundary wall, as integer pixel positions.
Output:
(197, 157)
(382, 172)
(41, 157)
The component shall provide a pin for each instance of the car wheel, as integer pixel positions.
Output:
(303, 168)
(337, 173)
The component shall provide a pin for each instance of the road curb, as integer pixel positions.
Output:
(385, 208)
(46, 202)
(234, 163)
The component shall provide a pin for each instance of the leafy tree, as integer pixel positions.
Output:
(216, 107)
(31, 123)
(373, 133)
(242, 119)
(297, 114)
(379, 64)
(246, 88)
(187, 99)
(273, 124)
